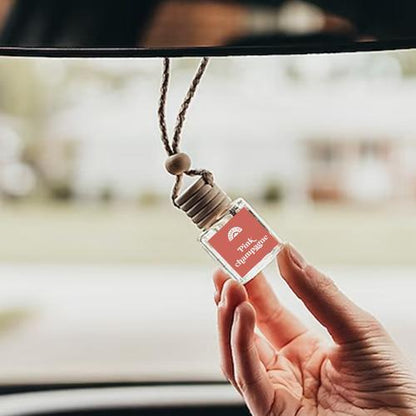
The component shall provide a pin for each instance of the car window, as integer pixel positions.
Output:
(102, 280)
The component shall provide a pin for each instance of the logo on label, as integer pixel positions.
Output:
(233, 233)
(243, 242)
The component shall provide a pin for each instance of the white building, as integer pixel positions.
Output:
(251, 125)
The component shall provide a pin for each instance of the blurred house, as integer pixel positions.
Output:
(359, 169)
(348, 139)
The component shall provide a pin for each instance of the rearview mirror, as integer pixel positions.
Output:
(203, 27)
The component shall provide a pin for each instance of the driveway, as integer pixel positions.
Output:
(116, 323)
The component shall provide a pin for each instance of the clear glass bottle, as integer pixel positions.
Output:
(241, 242)
(233, 233)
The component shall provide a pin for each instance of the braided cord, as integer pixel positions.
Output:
(173, 148)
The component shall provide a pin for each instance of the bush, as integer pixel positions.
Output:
(106, 195)
(273, 193)
(61, 191)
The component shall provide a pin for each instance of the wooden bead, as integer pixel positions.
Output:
(178, 164)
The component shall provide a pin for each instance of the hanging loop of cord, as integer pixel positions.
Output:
(179, 164)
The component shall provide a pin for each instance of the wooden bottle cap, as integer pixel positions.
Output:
(190, 192)
(204, 203)
(196, 198)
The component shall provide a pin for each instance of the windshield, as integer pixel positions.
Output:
(103, 280)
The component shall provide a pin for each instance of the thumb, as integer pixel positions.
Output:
(343, 319)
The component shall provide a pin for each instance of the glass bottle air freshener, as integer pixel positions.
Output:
(233, 233)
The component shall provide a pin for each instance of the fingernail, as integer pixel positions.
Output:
(296, 257)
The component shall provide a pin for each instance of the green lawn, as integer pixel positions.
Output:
(80, 233)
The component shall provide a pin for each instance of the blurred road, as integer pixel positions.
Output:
(116, 323)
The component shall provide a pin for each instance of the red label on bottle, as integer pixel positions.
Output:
(243, 242)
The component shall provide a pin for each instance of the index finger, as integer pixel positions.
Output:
(276, 322)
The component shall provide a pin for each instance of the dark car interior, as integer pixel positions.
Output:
(184, 411)
(169, 24)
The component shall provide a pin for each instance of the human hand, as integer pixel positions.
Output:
(290, 371)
